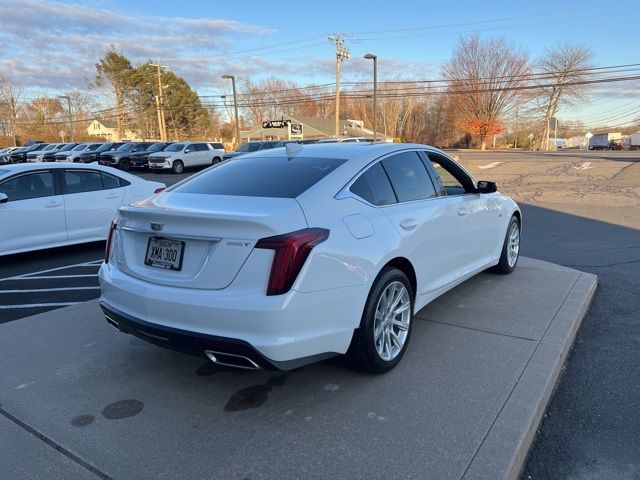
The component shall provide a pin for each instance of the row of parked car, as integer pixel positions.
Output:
(174, 156)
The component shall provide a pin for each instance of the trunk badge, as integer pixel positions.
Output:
(156, 227)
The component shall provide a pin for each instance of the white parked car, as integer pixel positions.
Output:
(74, 154)
(179, 155)
(50, 205)
(287, 256)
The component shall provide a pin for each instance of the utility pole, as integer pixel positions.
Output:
(342, 53)
(370, 56)
(162, 126)
(235, 107)
(70, 119)
(515, 142)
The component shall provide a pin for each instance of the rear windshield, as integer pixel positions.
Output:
(262, 177)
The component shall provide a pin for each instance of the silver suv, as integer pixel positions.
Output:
(179, 155)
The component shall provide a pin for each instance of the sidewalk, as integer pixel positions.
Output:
(80, 400)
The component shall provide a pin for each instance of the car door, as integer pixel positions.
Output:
(426, 221)
(89, 206)
(33, 215)
(190, 155)
(205, 156)
(477, 214)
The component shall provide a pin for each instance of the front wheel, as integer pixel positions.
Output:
(510, 249)
(385, 328)
(125, 165)
(177, 167)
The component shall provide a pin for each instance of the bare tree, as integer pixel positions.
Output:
(561, 70)
(484, 80)
(9, 98)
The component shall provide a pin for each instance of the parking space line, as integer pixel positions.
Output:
(60, 289)
(38, 305)
(93, 263)
(44, 277)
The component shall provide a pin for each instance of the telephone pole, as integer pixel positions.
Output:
(162, 125)
(342, 53)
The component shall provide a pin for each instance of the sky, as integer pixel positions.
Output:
(52, 46)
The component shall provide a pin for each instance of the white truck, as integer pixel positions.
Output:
(604, 141)
(634, 141)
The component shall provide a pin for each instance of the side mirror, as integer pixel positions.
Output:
(487, 187)
(187, 150)
(3, 198)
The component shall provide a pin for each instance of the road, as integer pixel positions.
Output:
(582, 210)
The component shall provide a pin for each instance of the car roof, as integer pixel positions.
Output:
(27, 167)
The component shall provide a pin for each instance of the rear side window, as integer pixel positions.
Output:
(109, 181)
(408, 176)
(217, 146)
(82, 181)
(374, 187)
(32, 185)
(262, 177)
(201, 147)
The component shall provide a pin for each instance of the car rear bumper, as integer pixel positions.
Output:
(281, 332)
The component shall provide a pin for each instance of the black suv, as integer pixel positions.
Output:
(141, 159)
(94, 156)
(121, 157)
(51, 156)
(20, 155)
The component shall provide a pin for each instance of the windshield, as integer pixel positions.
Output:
(50, 147)
(67, 147)
(176, 147)
(125, 147)
(115, 146)
(105, 147)
(93, 147)
(249, 147)
(156, 147)
(77, 148)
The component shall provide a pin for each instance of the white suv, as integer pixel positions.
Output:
(179, 155)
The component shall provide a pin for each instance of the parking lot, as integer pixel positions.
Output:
(581, 210)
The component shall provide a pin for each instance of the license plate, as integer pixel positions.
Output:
(163, 253)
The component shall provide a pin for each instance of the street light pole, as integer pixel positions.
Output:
(342, 53)
(71, 133)
(235, 106)
(370, 56)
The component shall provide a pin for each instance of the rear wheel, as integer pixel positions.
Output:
(177, 167)
(510, 249)
(216, 160)
(380, 342)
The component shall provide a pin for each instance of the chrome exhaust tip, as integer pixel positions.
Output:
(231, 360)
(113, 323)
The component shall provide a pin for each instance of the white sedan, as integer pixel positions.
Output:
(44, 205)
(287, 256)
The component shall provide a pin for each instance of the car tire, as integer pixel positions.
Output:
(216, 160)
(378, 344)
(177, 167)
(510, 249)
(125, 165)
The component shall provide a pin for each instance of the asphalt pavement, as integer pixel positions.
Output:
(582, 210)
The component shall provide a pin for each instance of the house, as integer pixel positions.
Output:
(108, 130)
(308, 128)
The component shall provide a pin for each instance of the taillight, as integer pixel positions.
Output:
(107, 250)
(158, 190)
(291, 251)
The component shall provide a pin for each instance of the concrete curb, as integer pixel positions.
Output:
(505, 448)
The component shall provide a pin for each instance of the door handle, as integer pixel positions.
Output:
(408, 224)
(53, 204)
(463, 211)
